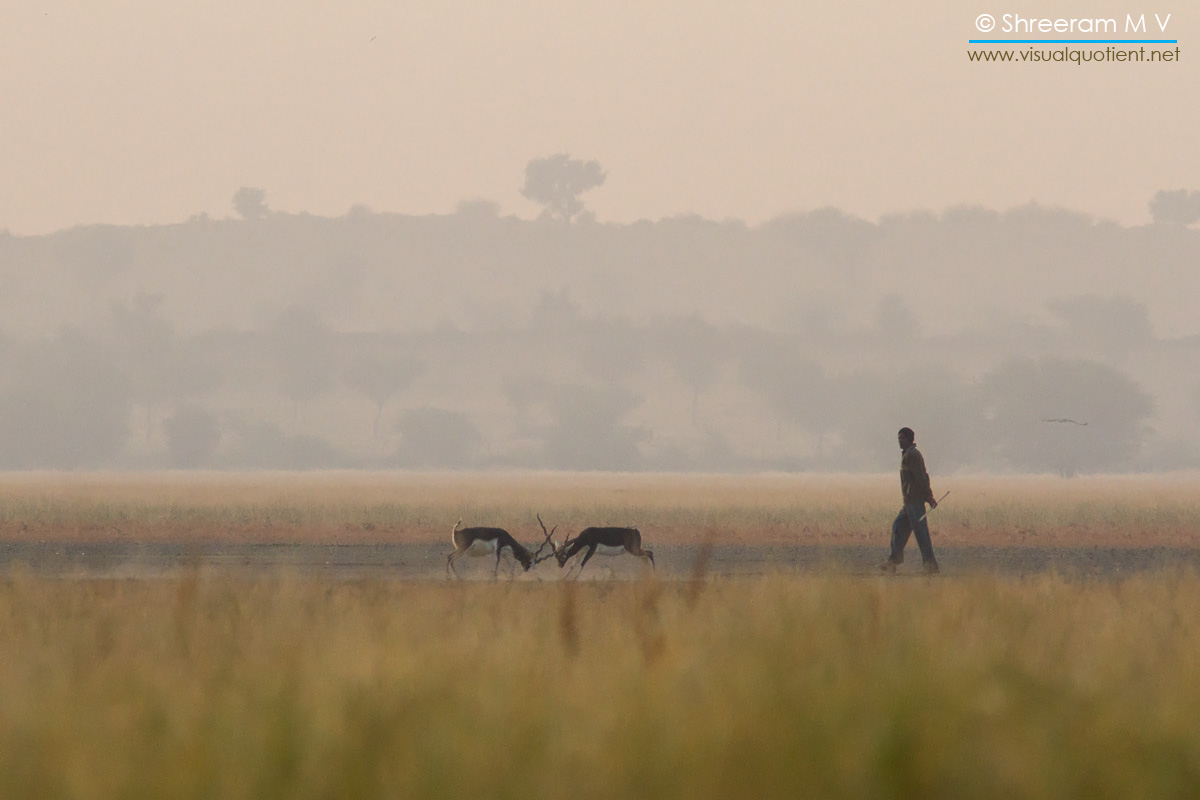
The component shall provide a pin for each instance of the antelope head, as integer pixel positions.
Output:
(560, 553)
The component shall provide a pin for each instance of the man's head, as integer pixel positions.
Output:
(906, 438)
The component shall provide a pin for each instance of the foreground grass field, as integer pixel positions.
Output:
(209, 687)
(671, 509)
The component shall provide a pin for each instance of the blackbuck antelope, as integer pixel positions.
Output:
(605, 541)
(485, 541)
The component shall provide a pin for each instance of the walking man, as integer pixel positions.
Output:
(914, 484)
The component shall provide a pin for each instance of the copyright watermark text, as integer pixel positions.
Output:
(1129, 38)
(1016, 23)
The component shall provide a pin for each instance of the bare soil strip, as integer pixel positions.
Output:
(674, 562)
(398, 524)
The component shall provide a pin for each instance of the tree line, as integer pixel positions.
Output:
(571, 392)
(477, 340)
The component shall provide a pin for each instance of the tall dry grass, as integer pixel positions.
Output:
(210, 687)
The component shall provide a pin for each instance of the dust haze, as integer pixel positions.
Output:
(657, 236)
(1031, 339)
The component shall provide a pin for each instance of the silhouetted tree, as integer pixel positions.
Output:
(692, 349)
(795, 389)
(556, 311)
(193, 435)
(832, 237)
(1096, 416)
(937, 403)
(146, 339)
(1107, 323)
(67, 406)
(263, 445)
(301, 346)
(557, 181)
(161, 367)
(589, 434)
(96, 255)
(895, 322)
(250, 203)
(435, 437)
(381, 379)
(524, 392)
(1179, 207)
(611, 350)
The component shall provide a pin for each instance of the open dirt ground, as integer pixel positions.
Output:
(428, 561)
(397, 525)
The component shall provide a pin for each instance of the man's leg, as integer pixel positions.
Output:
(920, 528)
(901, 528)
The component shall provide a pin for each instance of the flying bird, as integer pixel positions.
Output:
(1064, 419)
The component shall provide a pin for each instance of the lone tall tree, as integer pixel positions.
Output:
(1180, 207)
(250, 203)
(381, 379)
(557, 181)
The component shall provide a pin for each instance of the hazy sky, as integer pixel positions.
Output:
(145, 111)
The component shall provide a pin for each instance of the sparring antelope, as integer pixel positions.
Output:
(605, 541)
(485, 541)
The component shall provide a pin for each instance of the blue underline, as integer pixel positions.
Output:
(1072, 41)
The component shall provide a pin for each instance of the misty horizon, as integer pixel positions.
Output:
(477, 341)
(651, 236)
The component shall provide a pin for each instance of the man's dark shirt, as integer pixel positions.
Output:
(914, 480)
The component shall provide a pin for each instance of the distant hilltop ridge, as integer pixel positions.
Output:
(372, 271)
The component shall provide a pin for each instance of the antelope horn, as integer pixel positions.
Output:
(546, 541)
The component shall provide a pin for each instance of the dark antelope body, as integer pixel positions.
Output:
(484, 541)
(606, 542)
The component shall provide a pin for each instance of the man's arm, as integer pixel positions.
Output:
(916, 466)
(929, 498)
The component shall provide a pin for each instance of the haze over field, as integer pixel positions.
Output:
(251, 235)
(144, 112)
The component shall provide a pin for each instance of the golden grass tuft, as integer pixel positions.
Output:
(204, 686)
